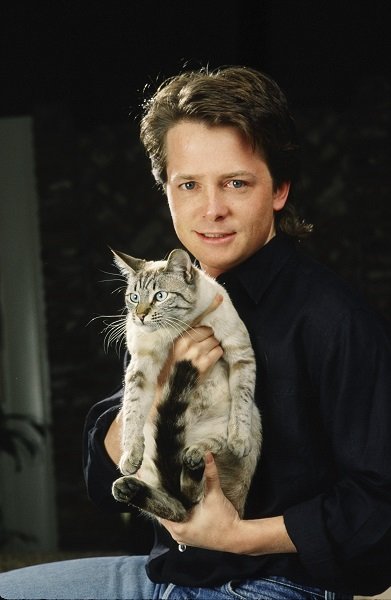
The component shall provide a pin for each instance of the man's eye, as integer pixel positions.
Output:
(133, 297)
(188, 185)
(161, 296)
(237, 183)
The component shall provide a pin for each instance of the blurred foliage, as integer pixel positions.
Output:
(21, 436)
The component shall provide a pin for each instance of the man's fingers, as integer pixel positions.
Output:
(212, 480)
(197, 334)
(205, 361)
(217, 300)
(204, 354)
(197, 340)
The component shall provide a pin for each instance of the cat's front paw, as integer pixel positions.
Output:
(131, 460)
(125, 488)
(239, 445)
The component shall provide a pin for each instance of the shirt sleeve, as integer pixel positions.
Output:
(99, 469)
(347, 528)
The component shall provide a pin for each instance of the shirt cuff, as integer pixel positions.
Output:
(306, 528)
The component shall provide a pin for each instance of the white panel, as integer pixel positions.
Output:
(27, 498)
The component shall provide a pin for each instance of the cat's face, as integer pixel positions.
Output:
(159, 294)
(155, 299)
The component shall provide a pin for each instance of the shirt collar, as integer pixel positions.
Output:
(257, 272)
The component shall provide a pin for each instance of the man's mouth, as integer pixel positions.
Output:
(211, 235)
(215, 235)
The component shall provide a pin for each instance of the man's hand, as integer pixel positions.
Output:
(199, 346)
(212, 523)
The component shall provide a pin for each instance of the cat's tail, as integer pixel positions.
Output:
(171, 428)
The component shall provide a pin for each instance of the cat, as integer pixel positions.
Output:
(163, 449)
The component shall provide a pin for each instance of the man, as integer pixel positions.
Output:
(318, 517)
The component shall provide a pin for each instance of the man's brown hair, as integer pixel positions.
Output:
(240, 97)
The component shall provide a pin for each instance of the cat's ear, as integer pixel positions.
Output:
(127, 264)
(180, 262)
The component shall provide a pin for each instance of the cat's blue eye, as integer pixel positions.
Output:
(134, 297)
(161, 296)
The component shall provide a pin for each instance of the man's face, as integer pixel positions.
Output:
(220, 194)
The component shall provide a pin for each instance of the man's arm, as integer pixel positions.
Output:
(112, 441)
(215, 524)
(99, 469)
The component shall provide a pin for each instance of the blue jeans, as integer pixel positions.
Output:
(124, 578)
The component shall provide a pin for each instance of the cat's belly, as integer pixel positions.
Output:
(199, 430)
(209, 408)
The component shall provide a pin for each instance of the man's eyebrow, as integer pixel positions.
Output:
(184, 176)
(191, 177)
(239, 174)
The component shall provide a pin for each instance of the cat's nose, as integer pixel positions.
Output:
(141, 311)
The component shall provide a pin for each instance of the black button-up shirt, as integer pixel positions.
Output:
(324, 392)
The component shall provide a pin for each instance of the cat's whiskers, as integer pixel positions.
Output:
(179, 329)
(116, 277)
(121, 314)
(119, 289)
(173, 338)
(183, 325)
(179, 325)
(115, 331)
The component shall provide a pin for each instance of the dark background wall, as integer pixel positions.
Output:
(80, 68)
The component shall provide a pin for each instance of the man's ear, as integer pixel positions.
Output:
(280, 195)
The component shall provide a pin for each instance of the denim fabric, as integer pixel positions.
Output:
(124, 578)
(106, 578)
(269, 588)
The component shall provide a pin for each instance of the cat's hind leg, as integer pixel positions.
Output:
(193, 466)
(158, 503)
(192, 483)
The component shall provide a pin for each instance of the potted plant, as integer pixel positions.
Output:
(20, 435)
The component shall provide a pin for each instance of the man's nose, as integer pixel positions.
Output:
(215, 205)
